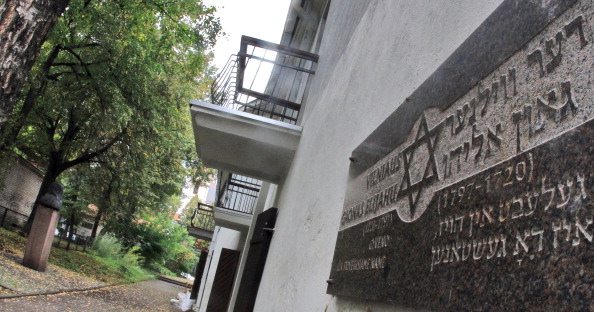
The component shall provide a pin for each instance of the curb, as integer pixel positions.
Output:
(58, 291)
(174, 282)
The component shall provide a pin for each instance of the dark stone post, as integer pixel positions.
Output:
(43, 228)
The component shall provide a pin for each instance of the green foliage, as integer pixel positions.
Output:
(106, 247)
(74, 203)
(101, 269)
(188, 210)
(105, 111)
(111, 86)
(128, 262)
(132, 258)
(108, 97)
(164, 244)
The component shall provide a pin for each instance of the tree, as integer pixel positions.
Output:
(24, 27)
(113, 75)
(165, 245)
(74, 204)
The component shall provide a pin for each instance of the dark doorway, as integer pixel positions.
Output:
(256, 259)
(223, 282)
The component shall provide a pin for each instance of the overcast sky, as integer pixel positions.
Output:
(262, 19)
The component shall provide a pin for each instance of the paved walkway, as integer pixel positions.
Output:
(17, 279)
(144, 296)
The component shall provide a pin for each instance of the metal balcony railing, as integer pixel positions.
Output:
(239, 193)
(203, 217)
(265, 79)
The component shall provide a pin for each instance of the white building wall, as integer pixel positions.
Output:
(395, 45)
(207, 194)
(222, 238)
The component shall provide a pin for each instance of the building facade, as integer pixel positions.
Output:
(342, 68)
(20, 185)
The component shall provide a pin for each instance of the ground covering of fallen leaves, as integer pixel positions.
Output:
(66, 270)
(144, 296)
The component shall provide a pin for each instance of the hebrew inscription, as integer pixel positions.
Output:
(530, 99)
(488, 196)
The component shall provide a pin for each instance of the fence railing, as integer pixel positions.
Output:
(203, 217)
(265, 79)
(78, 241)
(222, 91)
(239, 193)
(11, 219)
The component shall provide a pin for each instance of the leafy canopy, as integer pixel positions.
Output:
(109, 95)
(116, 76)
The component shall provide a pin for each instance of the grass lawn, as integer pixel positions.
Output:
(103, 270)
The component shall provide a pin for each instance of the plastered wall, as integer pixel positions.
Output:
(20, 184)
(223, 238)
(373, 55)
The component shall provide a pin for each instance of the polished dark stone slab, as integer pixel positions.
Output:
(509, 27)
(485, 203)
(521, 246)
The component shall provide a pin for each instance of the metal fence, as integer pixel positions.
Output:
(265, 79)
(11, 219)
(203, 217)
(239, 193)
(78, 241)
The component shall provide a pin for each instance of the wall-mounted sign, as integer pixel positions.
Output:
(485, 199)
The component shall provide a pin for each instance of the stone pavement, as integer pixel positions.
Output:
(15, 279)
(144, 296)
(59, 289)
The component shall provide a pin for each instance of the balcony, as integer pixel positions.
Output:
(249, 126)
(265, 79)
(236, 201)
(202, 222)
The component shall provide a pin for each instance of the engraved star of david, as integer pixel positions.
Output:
(424, 136)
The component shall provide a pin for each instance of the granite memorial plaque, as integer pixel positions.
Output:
(485, 200)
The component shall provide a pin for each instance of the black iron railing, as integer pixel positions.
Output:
(203, 217)
(265, 79)
(222, 91)
(239, 193)
(12, 219)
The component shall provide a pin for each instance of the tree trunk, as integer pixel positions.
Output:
(64, 235)
(71, 231)
(51, 174)
(24, 27)
(37, 86)
(104, 204)
(96, 224)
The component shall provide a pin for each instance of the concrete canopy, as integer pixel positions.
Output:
(243, 143)
(200, 233)
(231, 219)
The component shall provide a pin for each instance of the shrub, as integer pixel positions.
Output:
(164, 244)
(129, 261)
(106, 246)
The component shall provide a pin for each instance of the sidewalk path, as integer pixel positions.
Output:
(144, 296)
(16, 279)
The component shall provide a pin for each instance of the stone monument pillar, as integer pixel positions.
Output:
(43, 228)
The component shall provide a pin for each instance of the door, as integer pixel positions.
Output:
(256, 259)
(223, 282)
